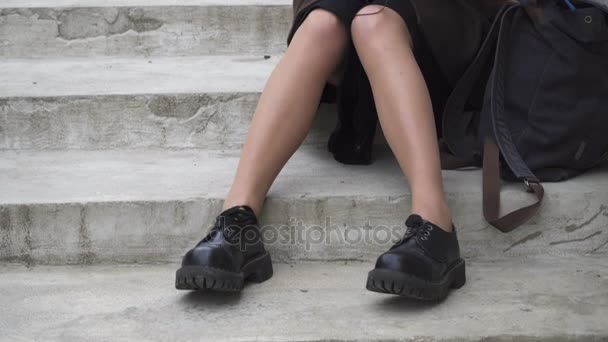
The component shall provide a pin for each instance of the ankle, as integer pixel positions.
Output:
(439, 215)
(256, 206)
(256, 209)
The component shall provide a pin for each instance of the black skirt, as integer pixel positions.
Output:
(346, 10)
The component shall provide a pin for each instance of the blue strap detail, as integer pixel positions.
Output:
(570, 5)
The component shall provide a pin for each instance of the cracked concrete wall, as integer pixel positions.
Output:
(135, 121)
(161, 231)
(143, 31)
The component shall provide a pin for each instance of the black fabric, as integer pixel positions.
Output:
(347, 10)
(460, 139)
(546, 101)
(548, 108)
(352, 140)
(545, 109)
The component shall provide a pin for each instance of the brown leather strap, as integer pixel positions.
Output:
(491, 193)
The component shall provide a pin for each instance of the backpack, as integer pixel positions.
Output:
(533, 105)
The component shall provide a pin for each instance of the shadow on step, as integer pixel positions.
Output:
(206, 299)
(396, 304)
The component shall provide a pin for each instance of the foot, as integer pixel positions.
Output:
(230, 254)
(424, 265)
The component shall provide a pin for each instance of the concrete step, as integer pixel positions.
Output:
(547, 299)
(196, 102)
(87, 207)
(127, 28)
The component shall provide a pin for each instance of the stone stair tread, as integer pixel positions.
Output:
(131, 206)
(533, 299)
(164, 175)
(59, 77)
(138, 3)
(75, 176)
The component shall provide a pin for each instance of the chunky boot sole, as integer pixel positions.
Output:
(209, 278)
(402, 284)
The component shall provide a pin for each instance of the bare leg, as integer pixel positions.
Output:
(287, 107)
(404, 107)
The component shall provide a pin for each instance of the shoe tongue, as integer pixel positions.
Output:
(414, 221)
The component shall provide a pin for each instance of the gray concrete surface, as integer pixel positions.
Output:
(139, 3)
(42, 29)
(551, 299)
(146, 206)
(175, 121)
(68, 77)
(204, 102)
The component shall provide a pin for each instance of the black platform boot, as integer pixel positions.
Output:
(231, 253)
(425, 264)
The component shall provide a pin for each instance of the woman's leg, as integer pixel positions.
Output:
(404, 107)
(426, 263)
(287, 106)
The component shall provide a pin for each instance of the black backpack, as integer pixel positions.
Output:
(533, 106)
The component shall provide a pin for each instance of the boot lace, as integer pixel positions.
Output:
(231, 224)
(416, 227)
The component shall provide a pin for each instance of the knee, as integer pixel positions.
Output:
(375, 23)
(323, 26)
